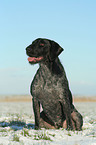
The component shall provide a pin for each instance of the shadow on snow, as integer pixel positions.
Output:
(17, 125)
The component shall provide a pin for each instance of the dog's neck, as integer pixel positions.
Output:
(55, 67)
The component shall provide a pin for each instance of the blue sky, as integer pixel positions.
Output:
(71, 23)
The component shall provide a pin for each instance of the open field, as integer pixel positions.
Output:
(17, 124)
(27, 98)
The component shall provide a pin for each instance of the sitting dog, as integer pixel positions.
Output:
(50, 88)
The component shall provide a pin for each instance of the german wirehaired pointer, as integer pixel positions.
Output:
(50, 88)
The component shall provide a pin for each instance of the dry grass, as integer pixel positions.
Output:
(85, 99)
(27, 98)
(15, 98)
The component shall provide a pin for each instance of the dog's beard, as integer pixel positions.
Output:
(33, 60)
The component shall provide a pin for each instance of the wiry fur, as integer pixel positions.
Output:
(50, 89)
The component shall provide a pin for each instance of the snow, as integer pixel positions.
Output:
(17, 126)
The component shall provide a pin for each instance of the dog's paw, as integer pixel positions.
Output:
(70, 127)
(37, 127)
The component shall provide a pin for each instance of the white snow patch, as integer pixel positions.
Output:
(17, 127)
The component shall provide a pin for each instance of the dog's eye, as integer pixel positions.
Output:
(41, 44)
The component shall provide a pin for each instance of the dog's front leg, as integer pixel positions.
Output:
(36, 108)
(67, 113)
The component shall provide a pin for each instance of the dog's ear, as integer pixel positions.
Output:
(55, 50)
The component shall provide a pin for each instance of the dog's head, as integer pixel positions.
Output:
(43, 49)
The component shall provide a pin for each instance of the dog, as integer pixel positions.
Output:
(50, 88)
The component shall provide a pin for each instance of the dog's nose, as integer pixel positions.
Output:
(28, 49)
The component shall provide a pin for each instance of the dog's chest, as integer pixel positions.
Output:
(47, 89)
(45, 85)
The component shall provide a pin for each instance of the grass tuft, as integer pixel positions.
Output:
(41, 136)
(25, 133)
(15, 138)
(69, 134)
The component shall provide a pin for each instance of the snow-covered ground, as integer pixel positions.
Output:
(17, 126)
